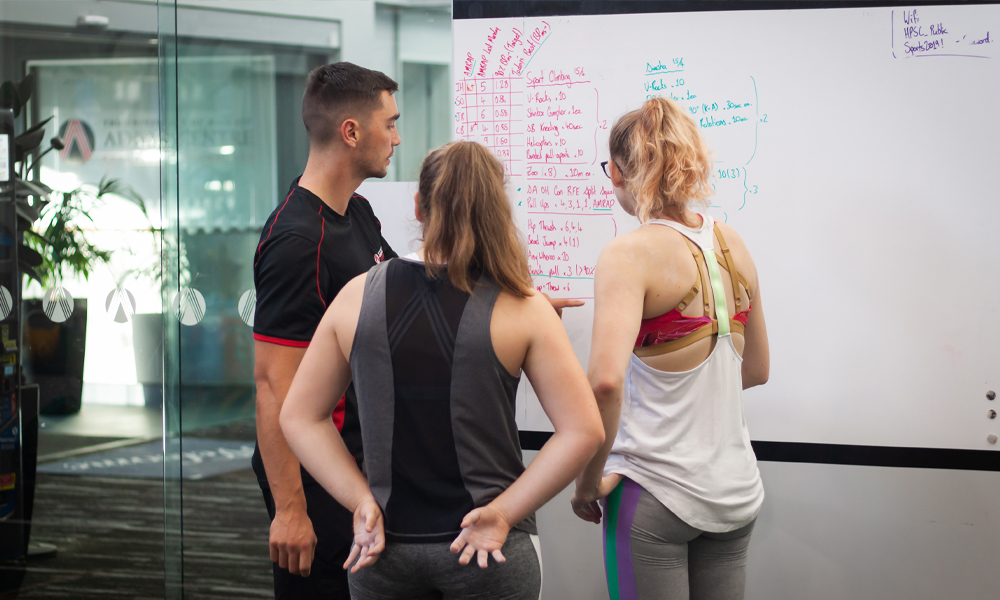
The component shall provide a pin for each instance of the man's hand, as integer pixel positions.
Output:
(560, 303)
(293, 541)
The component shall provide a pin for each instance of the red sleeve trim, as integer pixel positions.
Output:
(279, 341)
(261, 245)
(319, 249)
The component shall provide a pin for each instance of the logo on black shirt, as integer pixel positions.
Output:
(379, 256)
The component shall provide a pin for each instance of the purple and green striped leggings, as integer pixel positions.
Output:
(649, 553)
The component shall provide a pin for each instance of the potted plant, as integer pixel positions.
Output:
(51, 246)
(30, 196)
(147, 328)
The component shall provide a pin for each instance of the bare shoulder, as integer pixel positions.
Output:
(642, 244)
(517, 324)
(744, 261)
(353, 291)
(519, 309)
(525, 317)
(346, 307)
(733, 239)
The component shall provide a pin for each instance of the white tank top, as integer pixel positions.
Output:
(683, 436)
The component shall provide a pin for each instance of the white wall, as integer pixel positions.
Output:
(830, 532)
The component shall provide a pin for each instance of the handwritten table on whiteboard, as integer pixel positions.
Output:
(853, 153)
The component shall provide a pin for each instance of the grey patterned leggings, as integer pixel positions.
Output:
(432, 572)
(664, 558)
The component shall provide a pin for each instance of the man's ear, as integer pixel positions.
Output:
(350, 132)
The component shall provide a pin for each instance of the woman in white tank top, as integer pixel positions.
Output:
(679, 333)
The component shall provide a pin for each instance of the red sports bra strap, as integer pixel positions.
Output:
(684, 342)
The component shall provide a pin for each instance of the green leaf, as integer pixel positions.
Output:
(26, 211)
(27, 188)
(36, 127)
(9, 98)
(26, 88)
(29, 256)
(27, 143)
(23, 224)
(106, 186)
(31, 272)
(38, 236)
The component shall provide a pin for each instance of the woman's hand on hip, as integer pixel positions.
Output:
(369, 535)
(585, 503)
(484, 531)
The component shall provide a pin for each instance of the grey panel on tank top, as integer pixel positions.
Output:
(371, 366)
(482, 397)
(482, 405)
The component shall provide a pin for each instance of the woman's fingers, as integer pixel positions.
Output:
(362, 556)
(355, 551)
(481, 537)
(586, 512)
(472, 518)
(366, 555)
(459, 543)
(362, 560)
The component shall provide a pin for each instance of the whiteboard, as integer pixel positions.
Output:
(856, 153)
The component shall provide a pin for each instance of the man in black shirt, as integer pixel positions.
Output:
(320, 236)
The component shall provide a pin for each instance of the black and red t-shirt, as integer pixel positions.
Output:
(307, 253)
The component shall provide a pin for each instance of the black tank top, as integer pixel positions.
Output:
(436, 404)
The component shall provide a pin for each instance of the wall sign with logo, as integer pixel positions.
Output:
(108, 116)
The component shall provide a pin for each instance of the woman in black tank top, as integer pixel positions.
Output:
(435, 344)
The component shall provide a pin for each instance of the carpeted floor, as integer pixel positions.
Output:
(110, 535)
(109, 532)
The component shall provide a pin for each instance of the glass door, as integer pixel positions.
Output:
(82, 495)
(234, 142)
(162, 135)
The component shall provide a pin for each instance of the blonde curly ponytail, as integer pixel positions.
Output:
(664, 161)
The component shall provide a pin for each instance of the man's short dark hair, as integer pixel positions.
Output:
(340, 91)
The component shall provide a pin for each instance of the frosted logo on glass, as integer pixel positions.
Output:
(6, 303)
(120, 305)
(188, 306)
(57, 303)
(248, 305)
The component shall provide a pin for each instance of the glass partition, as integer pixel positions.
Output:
(170, 132)
(239, 143)
(87, 485)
